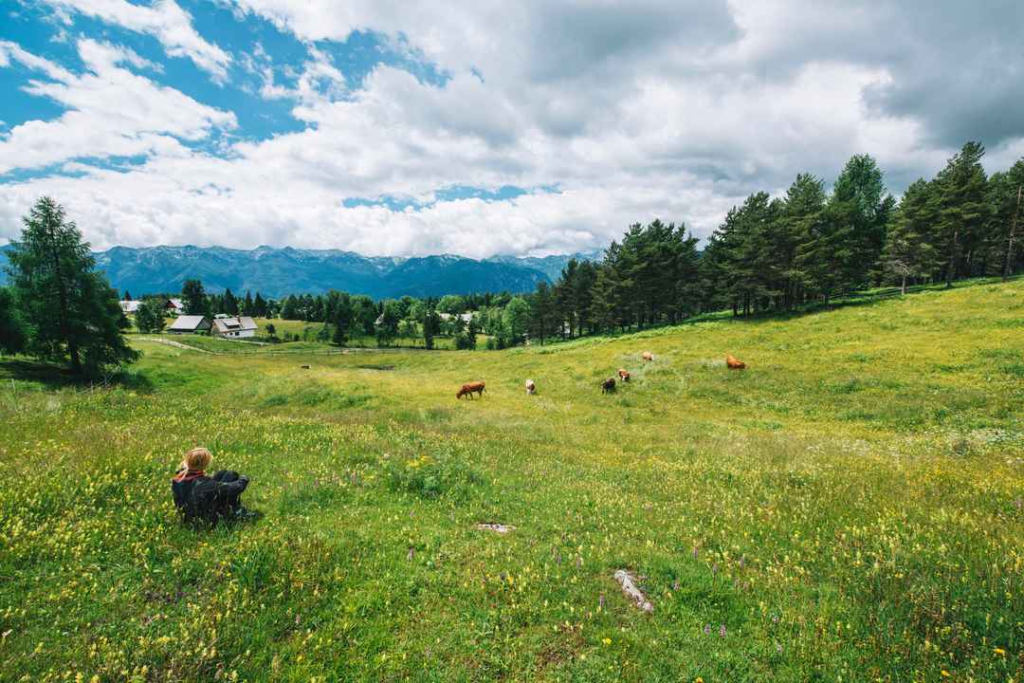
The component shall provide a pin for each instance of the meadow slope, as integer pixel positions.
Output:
(849, 508)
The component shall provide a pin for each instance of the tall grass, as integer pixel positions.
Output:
(851, 507)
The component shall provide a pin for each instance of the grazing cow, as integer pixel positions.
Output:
(531, 388)
(470, 389)
(624, 374)
(305, 367)
(734, 363)
(608, 386)
(647, 356)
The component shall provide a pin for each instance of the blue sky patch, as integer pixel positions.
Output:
(451, 194)
(256, 46)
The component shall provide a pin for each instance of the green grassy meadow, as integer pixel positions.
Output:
(850, 508)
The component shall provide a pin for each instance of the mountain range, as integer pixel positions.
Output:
(277, 272)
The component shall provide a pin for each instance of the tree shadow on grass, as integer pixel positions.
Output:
(54, 376)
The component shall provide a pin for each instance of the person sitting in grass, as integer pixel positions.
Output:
(210, 499)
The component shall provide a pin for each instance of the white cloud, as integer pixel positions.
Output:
(319, 81)
(163, 19)
(110, 111)
(635, 111)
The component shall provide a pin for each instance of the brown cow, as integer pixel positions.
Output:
(734, 363)
(470, 389)
(647, 356)
(531, 388)
(624, 374)
(608, 386)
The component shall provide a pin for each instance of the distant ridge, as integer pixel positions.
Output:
(277, 272)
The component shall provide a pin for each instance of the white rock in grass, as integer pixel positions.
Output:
(496, 528)
(628, 583)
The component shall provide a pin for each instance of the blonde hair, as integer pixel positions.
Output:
(196, 459)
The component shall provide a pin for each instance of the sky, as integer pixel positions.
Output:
(478, 128)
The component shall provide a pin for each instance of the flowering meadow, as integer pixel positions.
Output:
(848, 508)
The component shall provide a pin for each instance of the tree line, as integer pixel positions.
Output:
(811, 245)
(769, 254)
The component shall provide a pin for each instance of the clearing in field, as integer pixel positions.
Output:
(848, 507)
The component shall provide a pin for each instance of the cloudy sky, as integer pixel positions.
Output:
(477, 127)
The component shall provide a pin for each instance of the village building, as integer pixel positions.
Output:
(239, 327)
(189, 324)
(130, 307)
(175, 306)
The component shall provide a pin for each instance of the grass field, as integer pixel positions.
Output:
(850, 508)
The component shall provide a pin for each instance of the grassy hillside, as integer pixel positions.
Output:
(851, 507)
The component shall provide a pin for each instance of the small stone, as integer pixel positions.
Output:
(629, 587)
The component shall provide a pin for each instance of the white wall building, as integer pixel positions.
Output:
(240, 327)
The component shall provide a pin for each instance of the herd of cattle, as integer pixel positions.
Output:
(607, 386)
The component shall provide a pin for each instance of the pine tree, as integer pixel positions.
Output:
(290, 310)
(604, 300)
(13, 332)
(962, 191)
(516, 316)
(431, 324)
(72, 312)
(862, 207)
(801, 217)
(565, 298)
(909, 252)
(230, 305)
(1002, 253)
(387, 329)
(260, 307)
(542, 308)
(343, 318)
(365, 313)
(195, 299)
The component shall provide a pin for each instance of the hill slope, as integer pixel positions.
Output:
(278, 272)
(851, 505)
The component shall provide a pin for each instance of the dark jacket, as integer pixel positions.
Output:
(202, 498)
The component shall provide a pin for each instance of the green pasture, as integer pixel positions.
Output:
(849, 508)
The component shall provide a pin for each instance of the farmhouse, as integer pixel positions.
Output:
(243, 326)
(175, 306)
(130, 307)
(189, 324)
